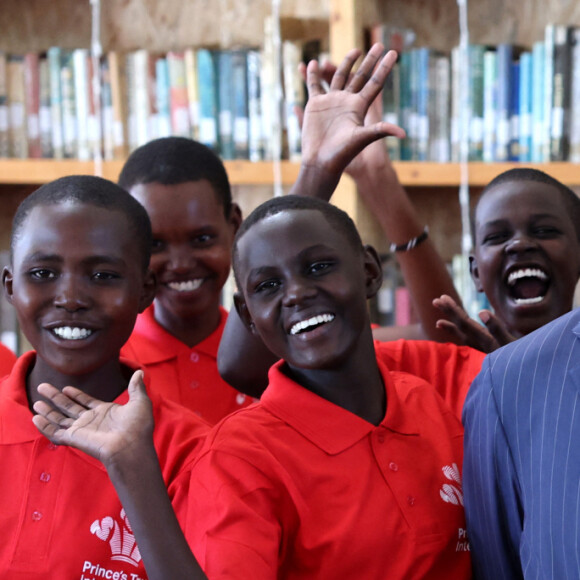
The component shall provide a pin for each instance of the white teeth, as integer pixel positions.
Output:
(526, 273)
(314, 321)
(525, 301)
(72, 333)
(187, 286)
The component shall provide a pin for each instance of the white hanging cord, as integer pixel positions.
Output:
(467, 292)
(95, 85)
(278, 100)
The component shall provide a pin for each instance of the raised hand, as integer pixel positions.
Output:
(469, 332)
(334, 130)
(105, 431)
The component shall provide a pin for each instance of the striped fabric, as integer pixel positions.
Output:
(522, 457)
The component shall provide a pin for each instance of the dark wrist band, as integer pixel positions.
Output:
(412, 243)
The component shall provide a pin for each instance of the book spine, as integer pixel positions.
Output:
(240, 104)
(4, 126)
(107, 111)
(162, 98)
(405, 117)
(514, 144)
(178, 94)
(16, 100)
(424, 58)
(54, 66)
(118, 91)
(538, 97)
(191, 81)
(69, 119)
(560, 128)
(255, 137)
(225, 104)
(81, 98)
(44, 117)
(489, 104)
(525, 134)
(575, 101)
(208, 99)
(504, 81)
(455, 106)
(32, 104)
(294, 97)
(441, 86)
(548, 90)
(142, 113)
(476, 55)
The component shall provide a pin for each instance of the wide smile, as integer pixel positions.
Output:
(310, 324)
(185, 285)
(527, 286)
(71, 332)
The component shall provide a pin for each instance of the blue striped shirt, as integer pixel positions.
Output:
(522, 457)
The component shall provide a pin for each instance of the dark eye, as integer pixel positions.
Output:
(157, 246)
(202, 240)
(319, 267)
(267, 285)
(546, 231)
(495, 238)
(105, 276)
(42, 274)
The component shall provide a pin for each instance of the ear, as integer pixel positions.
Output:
(7, 283)
(235, 217)
(373, 271)
(244, 313)
(474, 271)
(148, 290)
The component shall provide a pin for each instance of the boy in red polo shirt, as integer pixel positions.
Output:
(346, 468)
(78, 278)
(184, 187)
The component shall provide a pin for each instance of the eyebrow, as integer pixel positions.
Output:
(535, 216)
(89, 260)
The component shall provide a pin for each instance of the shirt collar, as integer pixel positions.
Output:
(328, 426)
(154, 344)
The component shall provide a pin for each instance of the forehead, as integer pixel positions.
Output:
(194, 201)
(520, 200)
(286, 235)
(74, 229)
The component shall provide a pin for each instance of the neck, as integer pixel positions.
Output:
(190, 331)
(105, 383)
(354, 387)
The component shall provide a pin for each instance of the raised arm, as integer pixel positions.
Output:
(121, 437)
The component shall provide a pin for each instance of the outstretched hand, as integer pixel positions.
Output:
(469, 332)
(334, 130)
(105, 431)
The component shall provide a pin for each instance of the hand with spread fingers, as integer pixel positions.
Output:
(469, 332)
(106, 431)
(334, 129)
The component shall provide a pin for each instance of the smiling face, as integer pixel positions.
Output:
(77, 284)
(305, 288)
(527, 255)
(192, 240)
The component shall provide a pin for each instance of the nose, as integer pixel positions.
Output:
(71, 295)
(296, 291)
(520, 242)
(180, 258)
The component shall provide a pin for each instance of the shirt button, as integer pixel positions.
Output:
(240, 399)
(45, 477)
(410, 500)
(51, 446)
(36, 516)
(194, 357)
(194, 384)
(393, 466)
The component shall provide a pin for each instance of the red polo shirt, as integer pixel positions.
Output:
(61, 518)
(296, 487)
(188, 376)
(7, 360)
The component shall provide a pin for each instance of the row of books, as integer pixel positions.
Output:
(54, 105)
(524, 105)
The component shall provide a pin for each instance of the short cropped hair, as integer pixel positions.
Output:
(530, 174)
(175, 160)
(90, 190)
(336, 217)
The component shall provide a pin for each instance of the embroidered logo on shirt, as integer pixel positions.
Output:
(452, 492)
(120, 538)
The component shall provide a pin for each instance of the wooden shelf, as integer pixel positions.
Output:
(411, 174)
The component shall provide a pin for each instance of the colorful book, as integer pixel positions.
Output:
(439, 109)
(4, 126)
(54, 56)
(162, 98)
(68, 104)
(575, 101)
(489, 103)
(504, 91)
(80, 66)
(538, 101)
(255, 136)
(190, 57)
(548, 90)
(514, 143)
(118, 90)
(240, 104)
(294, 97)
(32, 104)
(225, 104)
(107, 111)
(476, 56)
(208, 98)
(525, 113)
(16, 102)
(424, 57)
(45, 115)
(405, 100)
(179, 107)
